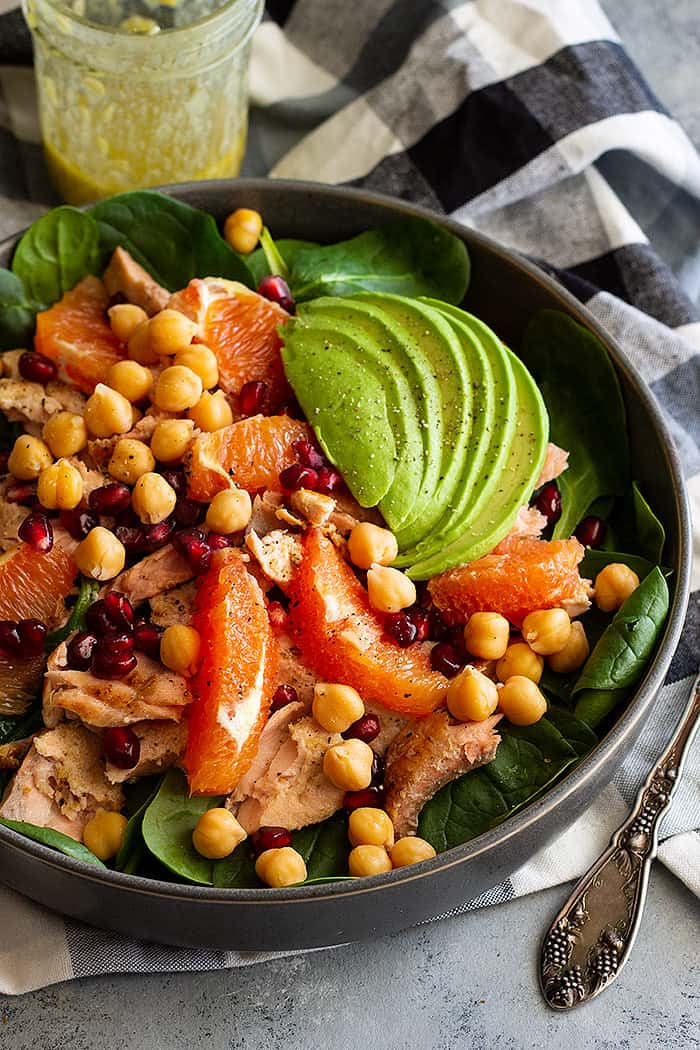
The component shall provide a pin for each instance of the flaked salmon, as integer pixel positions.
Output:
(124, 276)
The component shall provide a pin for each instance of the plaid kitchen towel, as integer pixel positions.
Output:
(524, 119)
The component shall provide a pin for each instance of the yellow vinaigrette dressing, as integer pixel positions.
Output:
(135, 94)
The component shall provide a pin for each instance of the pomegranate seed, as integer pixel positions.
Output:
(378, 768)
(36, 531)
(307, 455)
(328, 481)
(118, 642)
(283, 695)
(121, 747)
(252, 398)
(132, 537)
(110, 500)
(176, 479)
(365, 728)
(277, 615)
(192, 545)
(23, 493)
(269, 838)
(79, 650)
(455, 638)
(147, 638)
(218, 542)
(187, 512)
(37, 368)
(112, 664)
(78, 523)
(119, 609)
(298, 477)
(437, 628)
(4, 460)
(98, 619)
(277, 291)
(445, 659)
(548, 502)
(156, 536)
(371, 796)
(401, 629)
(32, 636)
(420, 619)
(591, 531)
(9, 638)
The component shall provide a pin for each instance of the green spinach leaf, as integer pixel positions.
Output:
(287, 248)
(324, 847)
(17, 312)
(89, 590)
(594, 705)
(19, 728)
(133, 849)
(595, 560)
(173, 241)
(238, 870)
(167, 827)
(57, 251)
(273, 256)
(651, 535)
(587, 415)
(54, 839)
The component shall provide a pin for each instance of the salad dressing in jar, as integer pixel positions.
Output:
(134, 93)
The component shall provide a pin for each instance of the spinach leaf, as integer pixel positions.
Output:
(133, 849)
(594, 705)
(57, 251)
(621, 654)
(89, 590)
(595, 560)
(288, 248)
(273, 256)
(324, 847)
(238, 870)
(409, 257)
(54, 839)
(17, 312)
(576, 731)
(651, 535)
(167, 827)
(19, 728)
(173, 241)
(587, 415)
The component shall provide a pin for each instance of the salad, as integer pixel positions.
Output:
(304, 574)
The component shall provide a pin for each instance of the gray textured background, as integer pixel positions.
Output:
(464, 983)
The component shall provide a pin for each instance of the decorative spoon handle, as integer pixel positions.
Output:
(592, 936)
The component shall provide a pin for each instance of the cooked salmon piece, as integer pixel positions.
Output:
(27, 403)
(278, 554)
(61, 782)
(11, 754)
(291, 670)
(174, 606)
(11, 517)
(162, 745)
(148, 692)
(101, 449)
(427, 755)
(157, 572)
(528, 525)
(124, 276)
(556, 460)
(313, 507)
(273, 736)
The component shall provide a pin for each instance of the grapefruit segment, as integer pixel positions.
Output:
(252, 453)
(516, 578)
(342, 639)
(75, 333)
(236, 678)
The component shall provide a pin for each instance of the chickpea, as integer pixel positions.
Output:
(169, 332)
(471, 696)
(547, 631)
(369, 544)
(138, 346)
(171, 439)
(212, 412)
(65, 434)
(486, 635)
(335, 707)
(575, 652)
(349, 765)
(180, 649)
(368, 826)
(101, 556)
(130, 459)
(107, 412)
(132, 380)
(28, 458)
(104, 833)
(153, 499)
(124, 319)
(202, 361)
(177, 389)
(60, 486)
(217, 834)
(613, 586)
(242, 229)
(410, 850)
(520, 659)
(281, 867)
(229, 511)
(367, 859)
(521, 701)
(389, 590)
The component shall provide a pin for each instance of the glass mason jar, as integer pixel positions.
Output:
(133, 93)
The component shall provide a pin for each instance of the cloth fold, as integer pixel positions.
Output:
(525, 120)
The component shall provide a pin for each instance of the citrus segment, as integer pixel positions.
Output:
(343, 640)
(75, 333)
(236, 678)
(252, 452)
(519, 576)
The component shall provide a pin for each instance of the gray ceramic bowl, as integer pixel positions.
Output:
(505, 291)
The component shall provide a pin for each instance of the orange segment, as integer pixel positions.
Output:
(240, 326)
(75, 333)
(514, 580)
(343, 639)
(252, 452)
(234, 685)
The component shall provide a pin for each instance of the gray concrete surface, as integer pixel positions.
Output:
(465, 983)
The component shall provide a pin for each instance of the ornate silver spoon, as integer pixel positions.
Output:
(592, 936)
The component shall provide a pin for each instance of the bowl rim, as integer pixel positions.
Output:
(571, 783)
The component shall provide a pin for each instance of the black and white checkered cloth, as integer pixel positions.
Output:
(526, 120)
